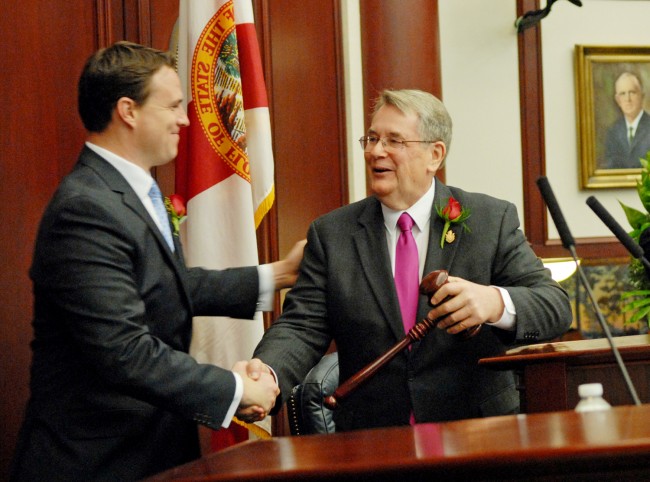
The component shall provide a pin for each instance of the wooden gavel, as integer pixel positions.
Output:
(429, 285)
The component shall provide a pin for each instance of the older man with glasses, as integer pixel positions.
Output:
(358, 284)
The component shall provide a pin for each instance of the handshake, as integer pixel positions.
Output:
(260, 390)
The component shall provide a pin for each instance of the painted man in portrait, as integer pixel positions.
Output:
(628, 139)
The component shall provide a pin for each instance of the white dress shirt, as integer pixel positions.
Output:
(421, 214)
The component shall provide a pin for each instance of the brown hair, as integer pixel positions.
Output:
(122, 70)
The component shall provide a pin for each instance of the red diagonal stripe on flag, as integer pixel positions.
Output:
(252, 77)
(205, 169)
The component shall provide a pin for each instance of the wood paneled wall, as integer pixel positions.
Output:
(46, 44)
(45, 47)
(401, 47)
(398, 57)
(305, 81)
(41, 135)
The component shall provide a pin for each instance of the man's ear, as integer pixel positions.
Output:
(438, 152)
(125, 109)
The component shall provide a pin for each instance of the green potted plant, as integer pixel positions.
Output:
(638, 298)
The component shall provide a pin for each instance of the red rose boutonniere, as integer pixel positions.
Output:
(452, 213)
(175, 205)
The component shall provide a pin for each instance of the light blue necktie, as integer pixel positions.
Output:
(161, 212)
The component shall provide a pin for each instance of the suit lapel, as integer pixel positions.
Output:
(178, 249)
(623, 135)
(438, 258)
(370, 242)
(118, 184)
(642, 130)
(373, 254)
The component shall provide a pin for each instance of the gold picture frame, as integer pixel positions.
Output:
(603, 164)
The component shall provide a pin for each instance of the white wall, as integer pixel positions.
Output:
(480, 87)
(597, 22)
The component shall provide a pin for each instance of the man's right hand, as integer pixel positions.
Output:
(285, 271)
(259, 395)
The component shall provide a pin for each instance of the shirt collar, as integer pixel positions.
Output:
(139, 179)
(420, 211)
(636, 121)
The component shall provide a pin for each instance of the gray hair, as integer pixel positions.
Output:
(435, 121)
(634, 75)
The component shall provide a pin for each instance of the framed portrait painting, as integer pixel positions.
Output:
(613, 114)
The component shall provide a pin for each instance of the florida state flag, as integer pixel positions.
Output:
(225, 163)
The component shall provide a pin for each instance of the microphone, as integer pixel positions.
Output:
(625, 239)
(569, 243)
(556, 213)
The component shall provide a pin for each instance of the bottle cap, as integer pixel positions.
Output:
(590, 390)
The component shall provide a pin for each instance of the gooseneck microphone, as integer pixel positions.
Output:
(569, 243)
(626, 240)
(558, 219)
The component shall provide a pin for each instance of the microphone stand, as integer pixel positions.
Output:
(568, 242)
(605, 327)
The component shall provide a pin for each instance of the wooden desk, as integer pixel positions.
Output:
(610, 445)
(549, 374)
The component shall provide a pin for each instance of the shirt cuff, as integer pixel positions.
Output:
(266, 297)
(274, 375)
(509, 316)
(239, 392)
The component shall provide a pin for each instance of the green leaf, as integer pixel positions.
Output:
(635, 217)
(629, 294)
(640, 315)
(635, 305)
(637, 301)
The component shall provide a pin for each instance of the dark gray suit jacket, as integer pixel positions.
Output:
(619, 153)
(114, 394)
(345, 292)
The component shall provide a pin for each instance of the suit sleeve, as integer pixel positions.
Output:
(542, 306)
(230, 292)
(300, 337)
(107, 298)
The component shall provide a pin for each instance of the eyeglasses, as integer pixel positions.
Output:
(389, 143)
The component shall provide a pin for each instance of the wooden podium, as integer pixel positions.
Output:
(608, 445)
(549, 374)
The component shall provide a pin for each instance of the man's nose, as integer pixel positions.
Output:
(183, 119)
(379, 145)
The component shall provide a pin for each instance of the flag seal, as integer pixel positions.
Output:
(217, 93)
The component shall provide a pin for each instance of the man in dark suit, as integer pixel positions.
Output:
(628, 139)
(345, 290)
(114, 393)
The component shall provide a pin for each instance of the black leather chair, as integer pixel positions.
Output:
(306, 412)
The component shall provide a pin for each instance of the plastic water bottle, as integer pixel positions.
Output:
(591, 398)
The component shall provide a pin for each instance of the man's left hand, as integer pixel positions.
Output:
(469, 304)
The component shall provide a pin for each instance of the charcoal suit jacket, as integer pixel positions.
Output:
(345, 292)
(114, 394)
(619, 152)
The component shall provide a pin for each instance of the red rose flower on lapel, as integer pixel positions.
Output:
(175, 205)
(452, 212)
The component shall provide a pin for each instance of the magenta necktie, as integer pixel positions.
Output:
(407, 278)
